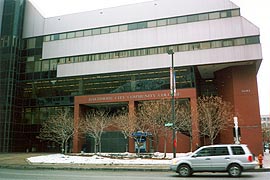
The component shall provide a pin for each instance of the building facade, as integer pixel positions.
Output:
(117, 57)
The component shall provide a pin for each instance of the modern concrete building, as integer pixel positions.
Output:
(117, 57)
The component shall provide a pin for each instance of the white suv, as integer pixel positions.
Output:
(232, 158)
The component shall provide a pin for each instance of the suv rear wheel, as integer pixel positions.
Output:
(234, 170)
(184, 170)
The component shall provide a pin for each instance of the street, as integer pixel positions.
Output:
(42, 174)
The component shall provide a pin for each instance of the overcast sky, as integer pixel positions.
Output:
(254, 10)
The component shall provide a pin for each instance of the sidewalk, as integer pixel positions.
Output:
(19, 161)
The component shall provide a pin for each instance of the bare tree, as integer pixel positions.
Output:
(94, 124)
(214, 115)
(58, 128)
(155, 114)
(183, 121)
(131, 127)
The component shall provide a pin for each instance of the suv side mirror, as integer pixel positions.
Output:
(194, 155)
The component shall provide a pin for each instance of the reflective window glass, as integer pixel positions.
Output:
(205, 152)
(225, 14)
(105, 30)
(216, 44)
(76, 59)
(31, 43)
(55, 37)
(220, 151)
(123, 54)
(29, 66)
(162, 22)
(252, 40)
(106, 56)
(205, 45)
(37, 66)
(193, 18)
(87, 32)
(237, 150)
(96, 31)
(152, 24)
(45, 65)
(123, 28)
(114, 29)
(85, 58)
(227, 43)
(30, 58)
(181, 20)
(70, 35)
(162, 50)
(203, 17)
(53, 64)
(214, 15)
(79, 34)
(240, 41)
(153, 51)
(194, 46)
(133, 26)
(172, 21)
(47, 38)
(143, 52)
(61, 61)
(63, 36)
(183, 47)
(235, 12)
(142, 25)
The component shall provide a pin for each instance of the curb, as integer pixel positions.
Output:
(151, 168)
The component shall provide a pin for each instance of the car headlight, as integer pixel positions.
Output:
(175, 161)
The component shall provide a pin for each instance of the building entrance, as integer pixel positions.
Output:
(130, 99)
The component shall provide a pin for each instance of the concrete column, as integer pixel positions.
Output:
(131, 114)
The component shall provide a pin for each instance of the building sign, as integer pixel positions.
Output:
(129, 97)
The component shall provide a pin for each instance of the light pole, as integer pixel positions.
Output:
(172, 87)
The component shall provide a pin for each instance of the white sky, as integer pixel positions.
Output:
(255, 11)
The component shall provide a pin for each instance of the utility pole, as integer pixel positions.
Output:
(172, 88)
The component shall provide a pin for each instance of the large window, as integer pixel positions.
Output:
(145, 24)
(34, 64)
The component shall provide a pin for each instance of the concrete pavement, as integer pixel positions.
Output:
(19, 160)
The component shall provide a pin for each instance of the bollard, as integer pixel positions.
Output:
(260, 159)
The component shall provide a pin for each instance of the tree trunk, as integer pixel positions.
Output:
(99, 145)
(157, 143)
(63, 147)
(191, 142)
(165, 144)
(212, 141)
(95, 147)
(66, 146)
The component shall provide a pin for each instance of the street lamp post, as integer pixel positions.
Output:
(172, 87)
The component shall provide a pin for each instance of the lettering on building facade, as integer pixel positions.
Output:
(128, 97)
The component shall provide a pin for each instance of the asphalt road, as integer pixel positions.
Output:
(42, 174)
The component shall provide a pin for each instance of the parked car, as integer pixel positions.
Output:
(231, 158)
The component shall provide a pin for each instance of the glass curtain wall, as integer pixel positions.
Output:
(11, 18)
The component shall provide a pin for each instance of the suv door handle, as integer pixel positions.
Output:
(208, 159)
(227, 158)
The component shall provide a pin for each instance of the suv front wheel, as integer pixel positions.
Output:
(234, 170)
(184, 170)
